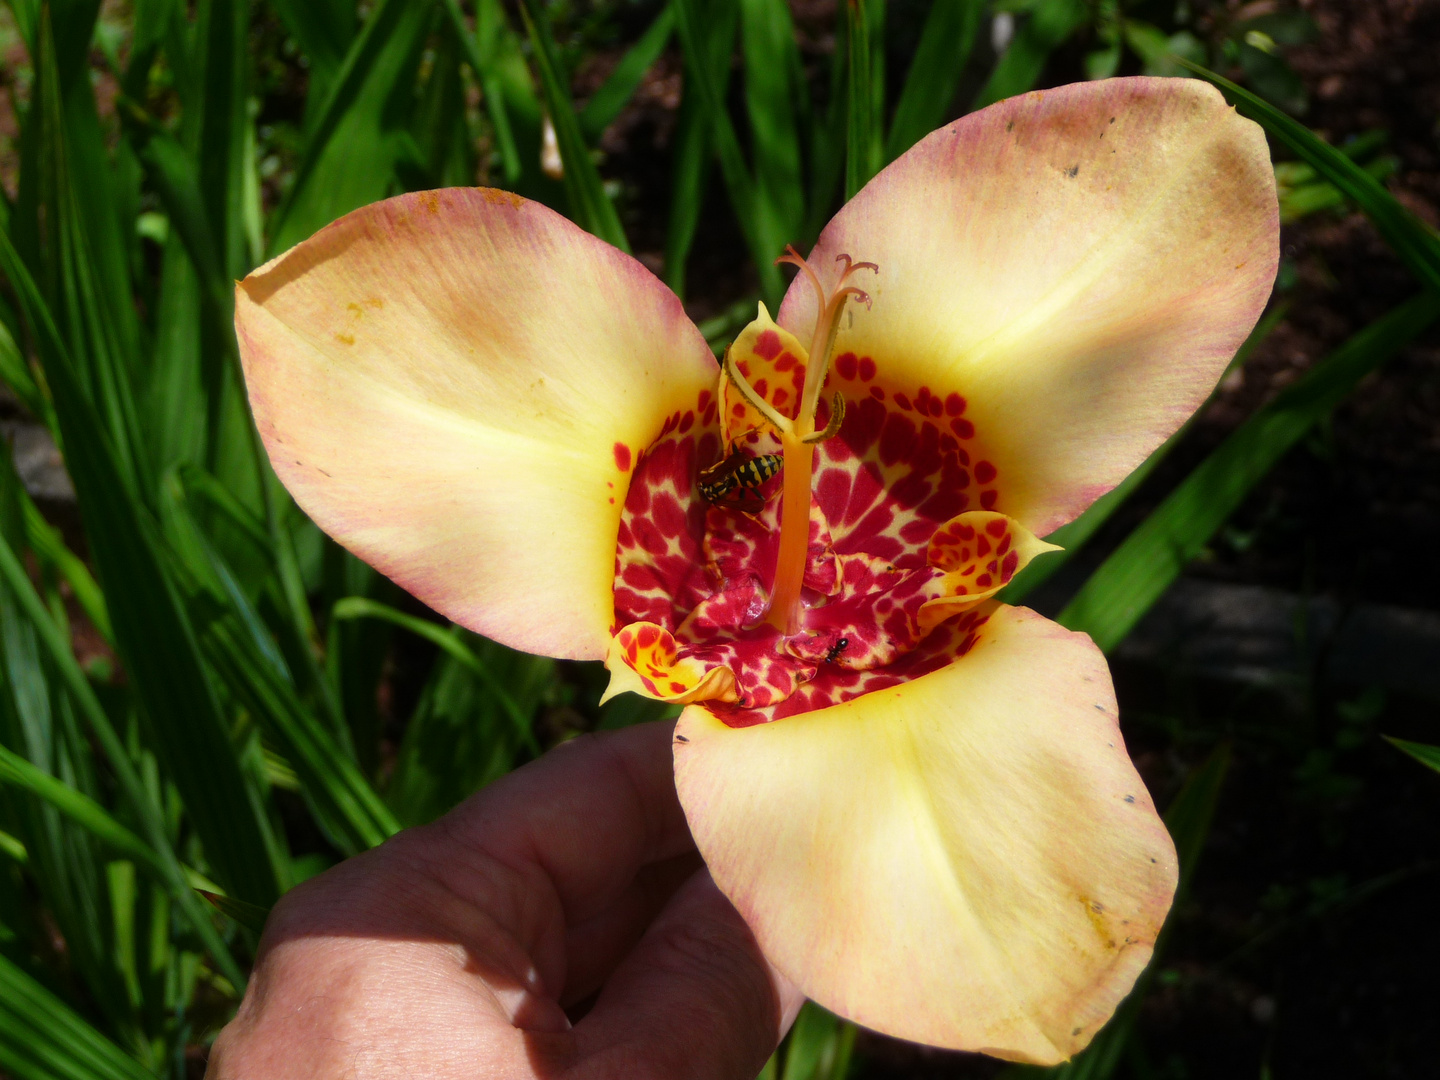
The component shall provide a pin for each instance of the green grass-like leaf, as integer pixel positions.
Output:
(617, 90)
(934, 75)
(1421, 752)
(13, 575)
(862, 129)
(351, 146)
(758, 219)
(17, 772)
(694, 140)
(590, 206)
(152, 634)
(42, 1038)
(250, 916)
(1050, 24)
(772, 94)
(358, 607)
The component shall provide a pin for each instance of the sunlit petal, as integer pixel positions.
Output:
(967, 859)
(1077, 264)
(456, 385)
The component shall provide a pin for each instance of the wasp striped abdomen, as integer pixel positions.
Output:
(735, 482)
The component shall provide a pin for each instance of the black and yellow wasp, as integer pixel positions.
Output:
(735, 481)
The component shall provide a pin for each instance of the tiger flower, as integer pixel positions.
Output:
(917, 796)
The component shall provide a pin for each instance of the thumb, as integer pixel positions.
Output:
(694, 999)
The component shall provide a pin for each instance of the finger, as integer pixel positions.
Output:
(595, 947)
(696, 998)
(589, 814)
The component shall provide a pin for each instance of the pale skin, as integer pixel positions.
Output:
(569, 890)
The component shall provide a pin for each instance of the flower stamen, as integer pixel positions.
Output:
(832, 428)
(753, 399)
(798, 441)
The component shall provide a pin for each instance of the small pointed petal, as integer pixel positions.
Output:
(980, 552)
(1077, 264)
(456, 385)
(773, 361)
(645, 659)
(968, 859)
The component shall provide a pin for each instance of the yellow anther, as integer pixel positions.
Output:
(832, 428)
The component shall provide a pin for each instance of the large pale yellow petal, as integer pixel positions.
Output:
(968, 859)
(456, 385)
(1078, 264)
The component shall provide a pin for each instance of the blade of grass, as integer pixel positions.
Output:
(222, 32)
(479, 50)
(271, 540)
(358, 607)
(687, 188)
(235, 640)
(84, 259)
(828, 135)
(152, 635)
(930, 85)
(348, 160)
(172, 173)
(589, 204)
(862, 138)
(1412, 240)
(1051, 22)
(1129, 582)
(250, 916)
(19, 773)
(13, 848)
(757, 218)
(145, 810)
(47, 746)
(819, 1046)
(617, 90)
(16, 374)
(490, 32)
(42, 1038)
(1426, 755)
(460, 735)
(767, 36)
(694, 142)
(239, 646)
(324, 31)
(344, 804)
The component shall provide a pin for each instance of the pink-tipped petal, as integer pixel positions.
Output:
(457, 385)
(968, 859)
(1078, 264)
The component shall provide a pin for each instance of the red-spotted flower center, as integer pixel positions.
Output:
(783, 549)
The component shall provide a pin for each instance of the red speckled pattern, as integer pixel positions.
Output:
(833, 684)
(893, 543)
(773, 362)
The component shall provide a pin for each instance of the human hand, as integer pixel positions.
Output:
(457, 949)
